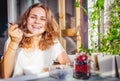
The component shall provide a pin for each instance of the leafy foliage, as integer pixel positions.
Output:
(86, 50)
(111, 42)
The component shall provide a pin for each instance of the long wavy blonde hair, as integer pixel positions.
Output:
(51, 29)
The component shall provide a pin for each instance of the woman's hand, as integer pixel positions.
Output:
(15, 33)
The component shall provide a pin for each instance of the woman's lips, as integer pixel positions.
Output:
(37, 27)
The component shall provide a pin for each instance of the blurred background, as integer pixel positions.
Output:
(65, 12)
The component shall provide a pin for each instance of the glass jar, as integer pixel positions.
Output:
(81, 66)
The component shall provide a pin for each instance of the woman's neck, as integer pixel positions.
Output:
(35, 41)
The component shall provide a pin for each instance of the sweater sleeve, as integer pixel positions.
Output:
(57, 49)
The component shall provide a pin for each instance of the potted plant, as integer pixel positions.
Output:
(114, 34)
(111, 42)
(108, 43)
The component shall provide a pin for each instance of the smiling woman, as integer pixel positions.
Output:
(36, 21)
(23, 54)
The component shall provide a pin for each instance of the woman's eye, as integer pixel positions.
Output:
(44, 19)
(33, 17)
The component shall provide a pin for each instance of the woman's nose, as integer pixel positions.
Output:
(37, 21)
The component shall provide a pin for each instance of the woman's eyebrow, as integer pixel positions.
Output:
(36, 15)
(33, 15)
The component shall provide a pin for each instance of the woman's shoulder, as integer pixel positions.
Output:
(57, 45)
(56, 41)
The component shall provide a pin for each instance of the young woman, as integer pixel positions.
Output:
(33, 43)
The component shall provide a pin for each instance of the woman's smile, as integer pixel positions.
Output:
(36, 21)
(36, 27)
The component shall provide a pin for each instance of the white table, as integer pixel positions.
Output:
(46, 76)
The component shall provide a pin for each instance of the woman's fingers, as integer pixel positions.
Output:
(15, 33)
(13, 27)
(20, 32)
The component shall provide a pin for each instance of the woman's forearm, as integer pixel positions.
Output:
(8, 59)
(63, 58)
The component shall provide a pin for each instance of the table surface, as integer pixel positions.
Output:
(46, 76)
(69, 78)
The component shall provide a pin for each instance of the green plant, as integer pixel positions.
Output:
(77, 4)
(95, 24)
(86, 50)
(107, 42)
(111, 42)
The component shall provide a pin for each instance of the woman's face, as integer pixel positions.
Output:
(36, 21)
